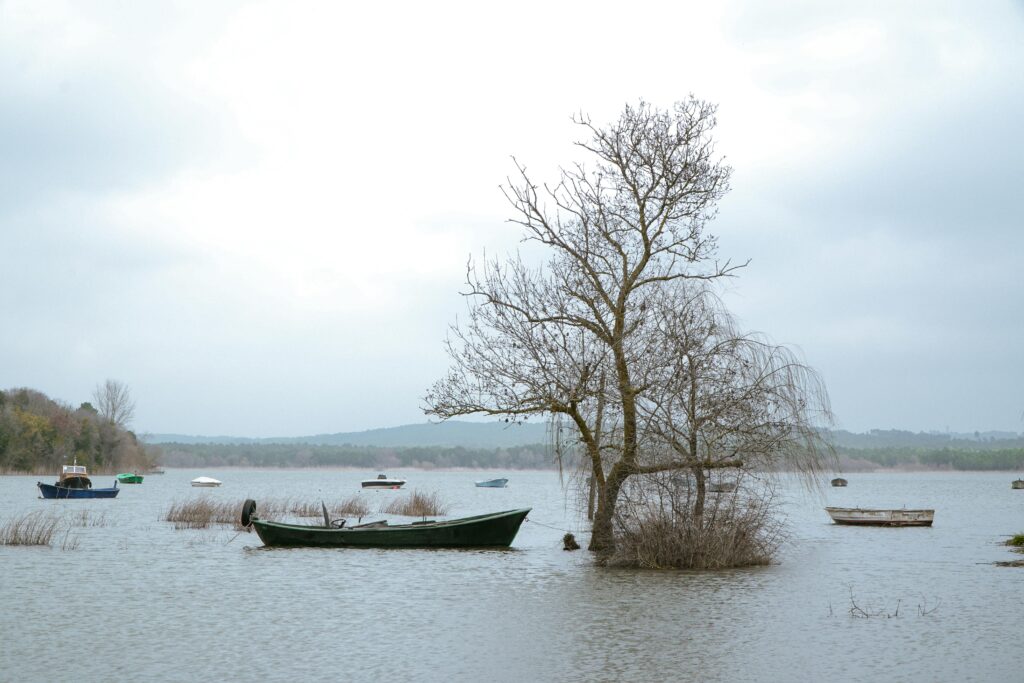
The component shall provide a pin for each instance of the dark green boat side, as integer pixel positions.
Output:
(495, 530)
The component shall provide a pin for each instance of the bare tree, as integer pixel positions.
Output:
(569, 339)
(114, 402)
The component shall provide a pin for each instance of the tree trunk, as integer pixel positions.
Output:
(602, 536)
(590, 497)
(698, 504)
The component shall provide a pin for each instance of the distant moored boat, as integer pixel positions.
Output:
(209, 482)
(383, 482)
(492, 483)
(74, 482)
(874, 517)
(1017, 484)
(839, 481)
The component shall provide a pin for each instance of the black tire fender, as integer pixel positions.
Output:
(248, 512)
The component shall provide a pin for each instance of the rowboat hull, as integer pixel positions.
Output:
(495, 530)
(51, 491)
(874, 517)
(129, 478)
(492, 483)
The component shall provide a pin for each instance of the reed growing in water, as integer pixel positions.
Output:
(31, 528)
(200, 513)
(353, 506)
(191, 514)
(87, 518)
(417, 504)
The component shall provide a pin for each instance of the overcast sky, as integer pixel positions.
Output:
(258, 215)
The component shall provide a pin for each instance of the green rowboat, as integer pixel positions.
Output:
(495, 530)
(129, 478)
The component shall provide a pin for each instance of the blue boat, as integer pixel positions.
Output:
(493, 483)
(74, 482)
(51, 491)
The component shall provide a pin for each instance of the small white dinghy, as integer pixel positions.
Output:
(205, 481)
(873, 517)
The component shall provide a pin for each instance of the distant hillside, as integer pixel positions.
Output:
(501, 435)
(450, 434)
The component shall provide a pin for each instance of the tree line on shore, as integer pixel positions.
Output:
(39, 434)
(540, 456)
(958, 459)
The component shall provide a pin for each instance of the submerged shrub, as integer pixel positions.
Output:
(1016, 540)
(733, 531)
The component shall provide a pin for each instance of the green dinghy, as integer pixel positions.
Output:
(129, 478)
(495, 530)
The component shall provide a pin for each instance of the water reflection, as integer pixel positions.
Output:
(157, 603)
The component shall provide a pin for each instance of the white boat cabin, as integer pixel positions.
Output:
(74, 477)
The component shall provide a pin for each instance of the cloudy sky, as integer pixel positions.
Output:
(257, 215)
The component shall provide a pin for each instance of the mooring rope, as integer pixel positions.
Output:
(547, 525)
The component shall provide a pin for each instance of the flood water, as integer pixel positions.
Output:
(139, 600)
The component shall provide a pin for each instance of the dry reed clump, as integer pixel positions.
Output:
(417, 505)
(88, 518)
(31, 528)
(69, 542)
(353, 506)
(738, 532)
(191, 514)
(200, 513)
(299, 508)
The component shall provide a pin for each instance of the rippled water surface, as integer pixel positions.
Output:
(139, 600)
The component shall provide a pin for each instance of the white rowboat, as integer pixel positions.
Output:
(205, 481)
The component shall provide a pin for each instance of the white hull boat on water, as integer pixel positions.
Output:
(383, 482)
(208, 482)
